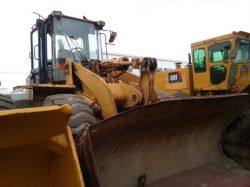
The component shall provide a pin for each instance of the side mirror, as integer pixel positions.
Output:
(112, 36)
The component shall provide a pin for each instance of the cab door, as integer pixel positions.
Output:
(35, 57)
(218, 55)
(200, 68)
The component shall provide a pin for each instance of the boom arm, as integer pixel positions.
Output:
(111, 93)
(95, 86)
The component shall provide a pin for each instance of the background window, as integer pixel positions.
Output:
(219, 52)
(199, 60)
(35, 50)
(242, 51)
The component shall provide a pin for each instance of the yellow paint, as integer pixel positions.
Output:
(242, 78)
(128, 77)
(162, 82)
(125, 95)
(37, 148)
(98, 88)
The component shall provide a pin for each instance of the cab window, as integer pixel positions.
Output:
(242, 54)
(219, 52)
(218, 73)
(199, 60)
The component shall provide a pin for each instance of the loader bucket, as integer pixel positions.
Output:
(148, 143)
(37, 148)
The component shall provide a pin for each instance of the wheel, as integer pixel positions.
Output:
(6, 102)
(82, 116)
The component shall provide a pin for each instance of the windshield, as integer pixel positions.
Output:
(242, 54)
(76, 39)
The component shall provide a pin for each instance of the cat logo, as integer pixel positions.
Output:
(174, 77)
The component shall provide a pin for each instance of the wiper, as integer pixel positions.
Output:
(82, 55)
(80, 52)
(65, 35)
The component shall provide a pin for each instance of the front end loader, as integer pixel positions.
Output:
(125, 134)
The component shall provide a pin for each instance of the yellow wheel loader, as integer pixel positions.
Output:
(124, 133)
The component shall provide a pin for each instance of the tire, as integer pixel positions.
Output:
(6, 103)
(82, 116)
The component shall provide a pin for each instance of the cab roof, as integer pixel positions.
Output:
(100, 24)
(222, 38)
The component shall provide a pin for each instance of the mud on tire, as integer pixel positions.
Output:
(82, 116)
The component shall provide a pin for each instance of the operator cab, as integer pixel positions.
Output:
(220, 64)
(59, 37)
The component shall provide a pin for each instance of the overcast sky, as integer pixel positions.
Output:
(159, 28)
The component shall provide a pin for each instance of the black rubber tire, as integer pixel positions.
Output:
(6, 103)
(82, 115)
